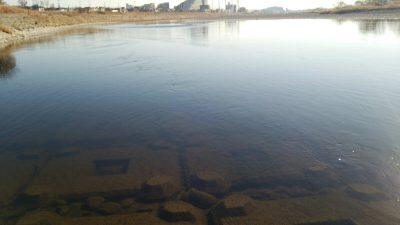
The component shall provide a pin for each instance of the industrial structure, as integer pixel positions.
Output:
(231, 8)
(193, 5)
(163, 7)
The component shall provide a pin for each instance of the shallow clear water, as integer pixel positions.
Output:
(286, 111)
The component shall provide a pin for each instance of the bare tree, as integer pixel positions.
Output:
(23, 3)
(340, 4)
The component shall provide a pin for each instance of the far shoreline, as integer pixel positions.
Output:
(32, 25)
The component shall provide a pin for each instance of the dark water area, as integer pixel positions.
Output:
(220, 122)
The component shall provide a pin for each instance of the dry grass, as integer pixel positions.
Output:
(11, 9)
(6, 29)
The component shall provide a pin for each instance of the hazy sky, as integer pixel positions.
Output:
(251, 4)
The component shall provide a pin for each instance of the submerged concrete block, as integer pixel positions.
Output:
(158, 188)
(234, 205)
(201, 199)
(210, 182)
(127, 202)
(112, 173)
(176, 211)
(110, 208)
(95, 202)
(111, 166)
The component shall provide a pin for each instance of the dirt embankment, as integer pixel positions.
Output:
(18, 24)
(391, 7)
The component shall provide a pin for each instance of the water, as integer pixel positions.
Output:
(302, 116)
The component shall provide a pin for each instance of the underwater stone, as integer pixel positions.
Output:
(210, 182)
(110, 208)
(159, 188)
(201, 199)
(75, 210)
(63, 210)
(234, 205)
(176, 211)
(95, 202)
(125, 203)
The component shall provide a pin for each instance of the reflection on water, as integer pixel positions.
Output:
(378, 26)
(7, 64)
(223, 122)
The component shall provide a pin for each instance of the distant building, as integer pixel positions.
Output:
(37, 7)
(148, 7)
(193, 5)
(205, 8)
(163, 7)
(231, 8)
(129, 8)
(94, 9)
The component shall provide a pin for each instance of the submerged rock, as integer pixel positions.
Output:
(201, 199)
(75, 210)
(147, 208)
(159, 188)
(234, 205)
(110, 208)
(63, 210)
(176, 211)
(95, 202)
(210, 182)
(125, 203)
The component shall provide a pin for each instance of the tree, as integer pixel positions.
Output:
(23, 3)
(2, 2)
(341, 5)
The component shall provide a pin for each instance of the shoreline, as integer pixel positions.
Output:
(46, 29)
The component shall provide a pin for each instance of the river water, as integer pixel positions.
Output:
(302, 117)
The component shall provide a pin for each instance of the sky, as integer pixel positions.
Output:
(250, 4)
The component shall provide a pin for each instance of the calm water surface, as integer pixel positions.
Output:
(302, 116)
